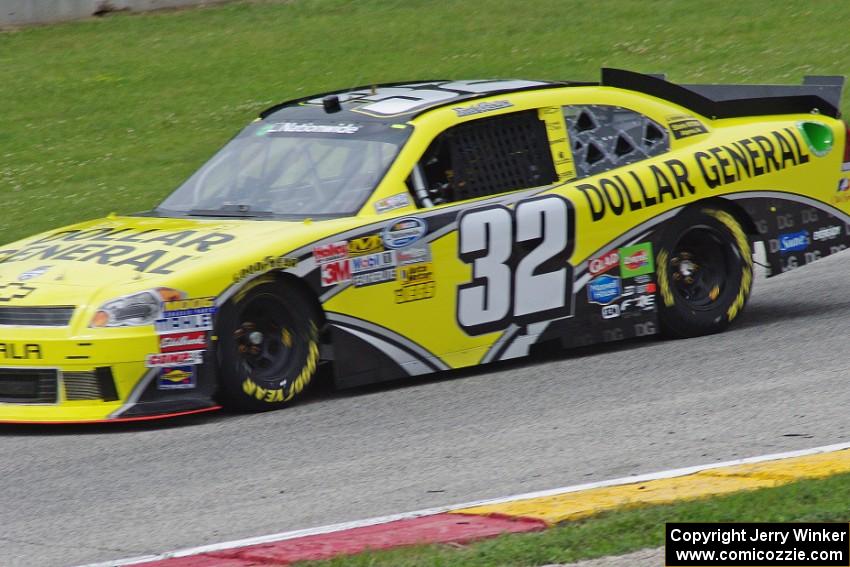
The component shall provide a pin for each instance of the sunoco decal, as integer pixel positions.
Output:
(178, 378)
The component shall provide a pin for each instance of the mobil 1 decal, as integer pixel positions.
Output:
(520, 272)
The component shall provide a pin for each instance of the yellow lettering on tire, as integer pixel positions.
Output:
(744, 247)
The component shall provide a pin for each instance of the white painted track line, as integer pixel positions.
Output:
(283, 536)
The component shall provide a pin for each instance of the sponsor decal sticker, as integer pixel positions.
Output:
(34, 273)
(178, 378)
(827, 233)
(404, 232)
(177, 342)
(198, 305)
(633, 306)
(308, 128)
(604, 263)
(372, 262)
(392, 203)
(413, 254)
(639, 289)
(482, 107)
(604, 289)
(610, 311)
(336, 272)
(687, 127)
(794, 241)
(636, 260)
(267, 264)
(171, 359)
(365, 245)
(374, 277)
(330, 252)
(417, 283)
(187, 320)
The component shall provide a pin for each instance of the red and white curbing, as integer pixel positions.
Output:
(434, 525)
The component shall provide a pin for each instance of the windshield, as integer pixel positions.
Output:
(297, 169)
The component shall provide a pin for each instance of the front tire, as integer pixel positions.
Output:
(705, 272)
(268, 347)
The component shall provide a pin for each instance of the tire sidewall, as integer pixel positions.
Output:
(242, 388)
(677, 317)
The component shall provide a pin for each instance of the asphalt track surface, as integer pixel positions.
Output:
(777, 381)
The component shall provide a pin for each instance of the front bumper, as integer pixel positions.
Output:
(50, 375)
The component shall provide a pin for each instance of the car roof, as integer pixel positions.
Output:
(398, 102)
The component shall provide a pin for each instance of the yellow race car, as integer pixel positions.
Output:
(403, 229)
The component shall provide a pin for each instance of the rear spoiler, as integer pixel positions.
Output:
(818, 94)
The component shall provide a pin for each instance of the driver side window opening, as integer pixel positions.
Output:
(484, 157)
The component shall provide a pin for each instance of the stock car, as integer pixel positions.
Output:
(402, 229)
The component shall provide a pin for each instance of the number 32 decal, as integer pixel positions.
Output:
(519, 263)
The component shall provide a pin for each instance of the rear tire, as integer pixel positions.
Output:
(268, 347)
(705, 272)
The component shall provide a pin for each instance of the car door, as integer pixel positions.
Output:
(484, 250)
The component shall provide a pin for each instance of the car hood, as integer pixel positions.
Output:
(149, 251)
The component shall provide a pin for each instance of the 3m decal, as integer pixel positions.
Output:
(365, 245)
(264, 265)
(170, 359)
(393, 202)
(636, 260)
(336, 272)
(604, 263)
(404, 232)
(13, 291)
(519, 264)
(20, 351)
(177, 342)
(178, 378)
(34, 273)
(604, 289)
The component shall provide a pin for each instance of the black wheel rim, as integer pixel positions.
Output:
(264, 338)
(700, 267)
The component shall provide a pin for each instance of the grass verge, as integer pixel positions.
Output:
(615, 533)
(112, 113)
